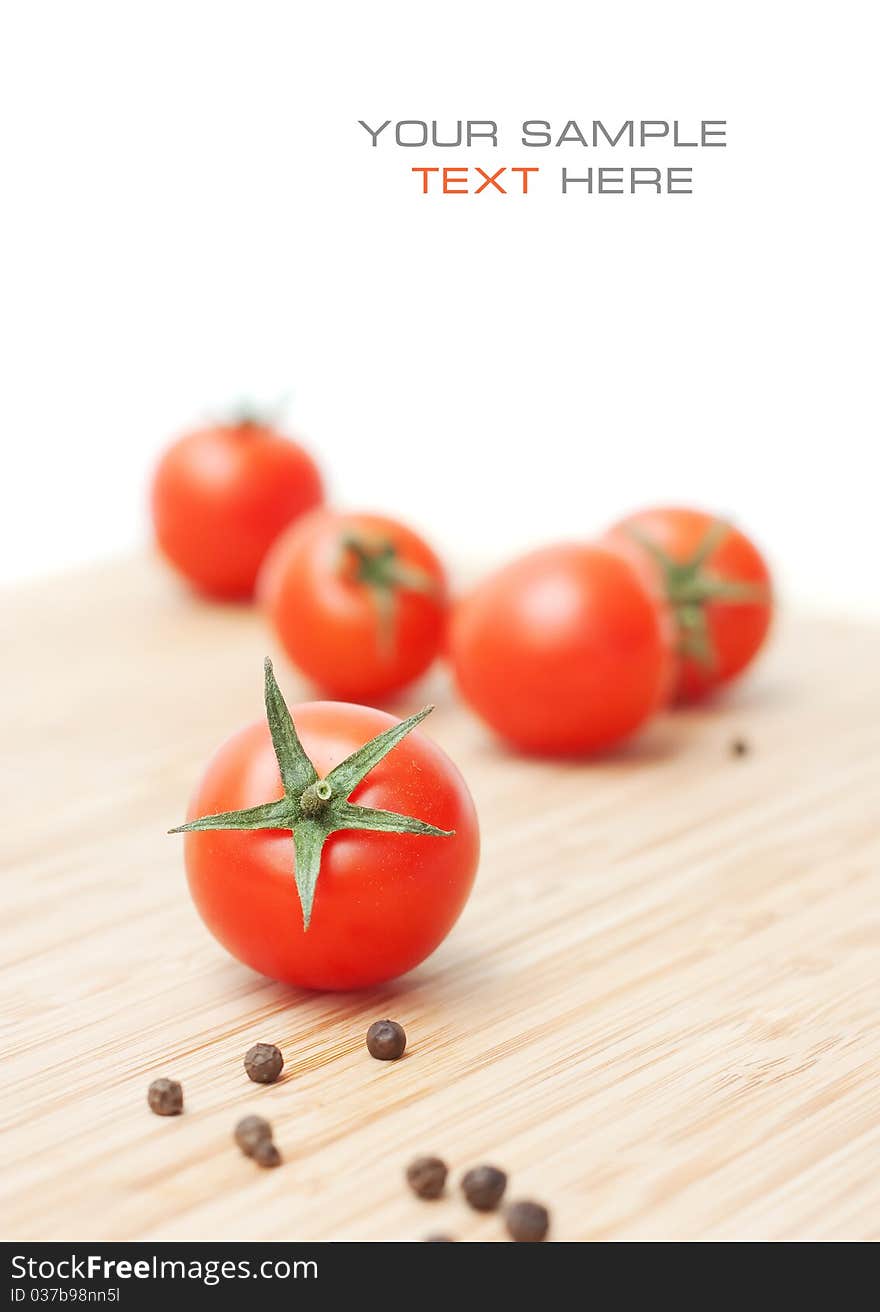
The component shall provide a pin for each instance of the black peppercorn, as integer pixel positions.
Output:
(251, 1131)
(263, 1063)
(266, 1154)
(439, 1239)
(386, 1040)
(527, 1222)
(165, 1097)
(483, 1187)
(739, 747)
(426, 1176)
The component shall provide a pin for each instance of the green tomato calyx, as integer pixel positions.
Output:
(312, 808)
(375, 563)
(690, 587)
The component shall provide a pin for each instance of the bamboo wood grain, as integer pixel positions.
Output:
(659, 1012)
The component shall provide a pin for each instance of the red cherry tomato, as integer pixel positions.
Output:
(382, 901)
(220, 498)
(358, 602)
(714, 580)
(564, 651)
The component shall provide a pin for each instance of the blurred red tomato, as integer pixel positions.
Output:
(358, 602)
(220, 498)
(563, 651)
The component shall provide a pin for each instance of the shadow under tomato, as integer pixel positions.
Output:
(656, 743)
(747, 696)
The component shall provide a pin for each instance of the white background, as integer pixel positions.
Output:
(192, 215)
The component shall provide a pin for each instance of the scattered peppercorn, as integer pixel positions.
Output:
(386, 1040)
(263, 1063)
(739, 747)
(250, 1132)
(527, 1222)
(266, 1154)
(439, 1239)
(165, 1097)
(483, 1187)
(426, 1176)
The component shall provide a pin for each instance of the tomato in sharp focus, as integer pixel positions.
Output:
(716, 584)
(358, 602)
(383, 901)
(220, 498)
(562, 652)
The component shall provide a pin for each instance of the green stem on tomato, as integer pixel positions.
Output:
(691, 587)
(248, 414)
(376, 563)
(312, 808)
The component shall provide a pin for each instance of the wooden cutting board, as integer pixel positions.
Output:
(660, 1012)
